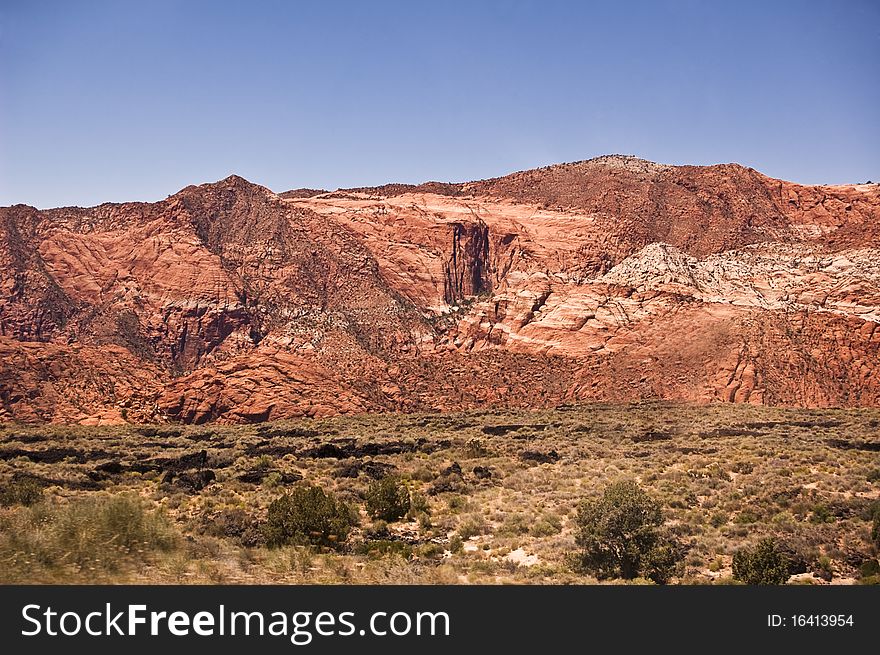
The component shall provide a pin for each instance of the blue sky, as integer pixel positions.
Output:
(112, 101)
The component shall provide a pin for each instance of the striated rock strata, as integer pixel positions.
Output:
(611, 279)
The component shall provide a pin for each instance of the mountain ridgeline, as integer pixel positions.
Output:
(612, 279)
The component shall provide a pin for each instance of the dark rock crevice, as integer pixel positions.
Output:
(467, 271)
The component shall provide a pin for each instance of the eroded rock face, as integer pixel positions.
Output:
(611, 279)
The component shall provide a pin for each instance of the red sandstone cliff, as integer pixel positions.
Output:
(610, 279)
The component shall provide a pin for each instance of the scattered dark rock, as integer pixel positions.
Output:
(270, 449)
(162, 445)
(501, 430)
(142, 467)
(843, 444)
(347, 470)
(271, 433)
(339, 449)
(75, 484)
(482, 472)
(447, 483)
(550, 457)
(377, 470)
(202, 436)
(652, 435)
(797, 563)
(450, 479)
(819, 423)
(114, 467)
(183, 463)
(233, 523)
(27, 438)
(374, 470)
(190, 482)
(731, 432)
(326, 450)
(54, 455)
(345, 448)
(257, 476)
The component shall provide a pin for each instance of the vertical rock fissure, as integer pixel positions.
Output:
(466, 271)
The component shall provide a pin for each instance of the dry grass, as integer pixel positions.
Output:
(726, 475)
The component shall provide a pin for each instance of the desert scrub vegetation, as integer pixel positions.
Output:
(764, 564)
(494, 496)
(83, 537)
(388, 499)
(619, 536)
(23, 491)
(309, 515)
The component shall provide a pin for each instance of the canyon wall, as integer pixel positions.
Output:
(613, 279)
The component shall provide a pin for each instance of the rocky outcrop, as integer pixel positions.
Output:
(609, 279)
(466, 270)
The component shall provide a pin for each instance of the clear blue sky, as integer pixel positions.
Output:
(111, 101)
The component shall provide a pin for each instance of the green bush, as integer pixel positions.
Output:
(308, 515)
(618, 536)
(419, 504)
(875, 526)
(388, 499)
(662, 562)
(869, 569)
(24, 491)
(765, 564)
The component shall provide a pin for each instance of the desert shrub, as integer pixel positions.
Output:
(548, 524)
(457, 502)
(875, 524)
(718, 519)
(743, 467)
(472, 525)
(765, 564)
(515, 524)
(232, 523)
(746, 517)
(308, 515)
(869, 569)
(378, 530)
(385, 547)
(661, 563)
(24, 491)
(272, 480)
(618, 536)
(419, 503)
(94, 533)
(824, 568)
(388, 499)
(821, 514)
(431, 550)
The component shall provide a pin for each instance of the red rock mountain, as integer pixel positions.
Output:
(611, 279)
